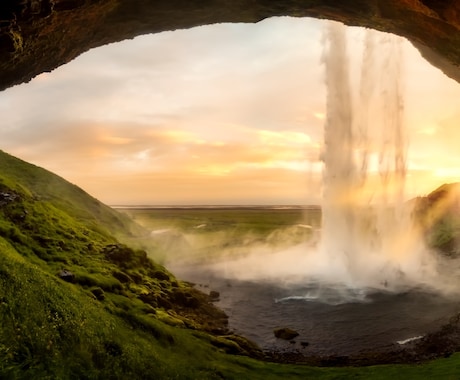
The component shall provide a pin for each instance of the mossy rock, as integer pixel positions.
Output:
(285, 333)
(122, 276)
(169, 319)
(98, 293)
(184, 298)
(237, 345)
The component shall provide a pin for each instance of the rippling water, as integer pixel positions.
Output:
(332, 319)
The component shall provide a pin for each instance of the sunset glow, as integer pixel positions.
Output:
(221, 114)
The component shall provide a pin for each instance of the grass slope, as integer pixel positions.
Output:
(119, 315)
(43, 185)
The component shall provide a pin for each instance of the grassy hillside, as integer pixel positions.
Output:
(42, 185)
(439, 215)
(77, 304)
(74, 301)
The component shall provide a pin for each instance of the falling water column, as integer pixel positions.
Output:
(339, 169)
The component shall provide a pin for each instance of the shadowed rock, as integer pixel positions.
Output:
(285, 333)
(67, 276)
(38, 36)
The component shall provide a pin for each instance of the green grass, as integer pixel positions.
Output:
(45, 186)
(206, 233)
(120, 318)
(258, 221)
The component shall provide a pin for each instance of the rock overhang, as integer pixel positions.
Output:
(39, 35)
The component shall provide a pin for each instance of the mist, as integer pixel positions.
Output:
(368, 239)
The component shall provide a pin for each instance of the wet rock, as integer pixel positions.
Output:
(214, 295)
(121, 276)
(434, 24)
(137, 278)
(7, 43)
(335, 361)
(164, 285)
(160, 275)
(185, 299)
(126, 257)
(164, 303)
(41, 8)
(98, 293)
(67, 276)
(67, 5)
(149, 299)
(285, 333)
(237, 345)
(7, 197)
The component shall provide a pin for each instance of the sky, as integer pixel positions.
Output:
(219, 114)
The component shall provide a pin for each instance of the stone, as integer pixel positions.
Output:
(285, 333)
(67, 276)
(164, 303)
(160, 275)
(7, 197)
(185, 298)
(98, 293)
(121, 276)
(67, 5)
(433, 26)
(214, 295)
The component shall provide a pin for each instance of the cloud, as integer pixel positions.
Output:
(243, 187)
(149, 155)
(205, 113)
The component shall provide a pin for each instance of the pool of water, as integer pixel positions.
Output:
(331, 319)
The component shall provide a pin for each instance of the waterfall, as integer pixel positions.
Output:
(366, 227)
(340, 173)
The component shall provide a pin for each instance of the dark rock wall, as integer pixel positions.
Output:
(39, 35)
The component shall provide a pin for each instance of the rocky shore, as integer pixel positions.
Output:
(439, 344)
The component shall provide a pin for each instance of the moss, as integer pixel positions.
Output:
(18, 43)
(107, 283)
(169, 319)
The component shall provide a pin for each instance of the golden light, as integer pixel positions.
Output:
(319, 115)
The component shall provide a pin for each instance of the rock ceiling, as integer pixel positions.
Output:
(40, 35)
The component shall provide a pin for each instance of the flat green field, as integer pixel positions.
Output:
(208, 233)
(259, 220)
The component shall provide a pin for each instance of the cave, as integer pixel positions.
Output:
(39, 35)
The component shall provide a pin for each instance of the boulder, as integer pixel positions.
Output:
(160, 275)
(67, 276)
(185, 298)
(285, 333)
(121, 276)
(98, 293)
(214, 295)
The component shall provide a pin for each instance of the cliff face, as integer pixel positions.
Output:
(39, 35)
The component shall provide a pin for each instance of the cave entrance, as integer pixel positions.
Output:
(218, 114)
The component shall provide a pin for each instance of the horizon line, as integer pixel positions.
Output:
(214, 206)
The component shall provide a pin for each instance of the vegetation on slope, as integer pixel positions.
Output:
(205, 234)
(439, 215)
(77, 304)
(41, 185)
